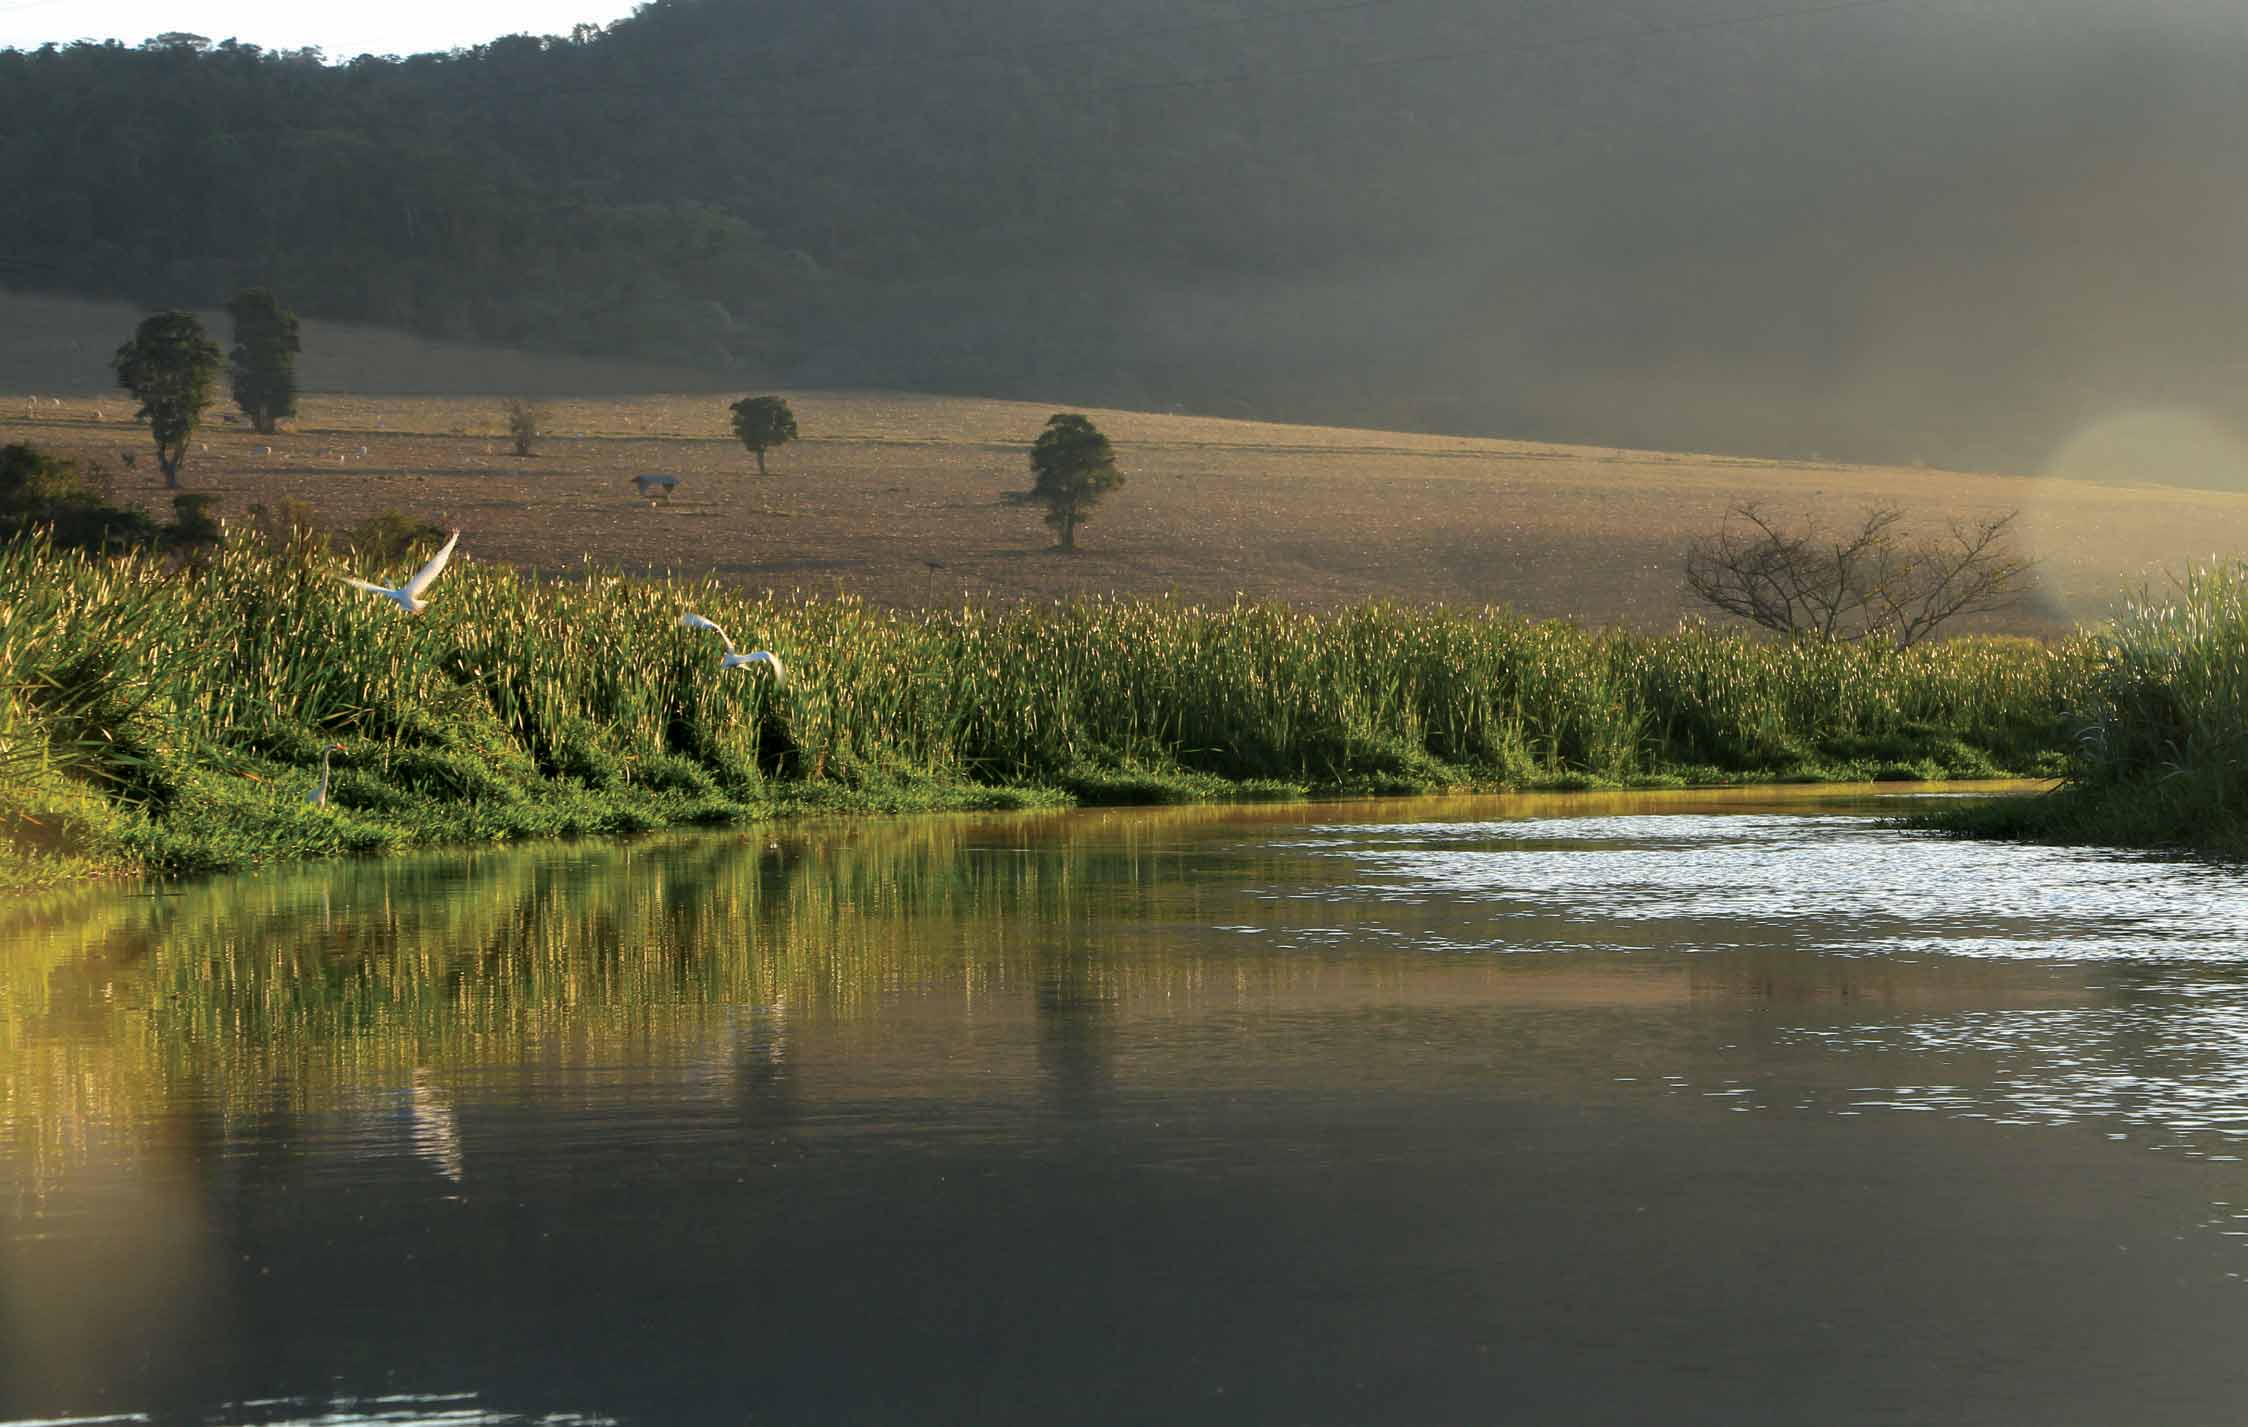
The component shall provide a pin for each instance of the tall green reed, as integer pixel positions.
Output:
(515, 688)
(2168, 694)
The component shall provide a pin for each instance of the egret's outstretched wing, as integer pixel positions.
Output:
(691, 620)
(370, 588)
(766, 656)
(427, 574)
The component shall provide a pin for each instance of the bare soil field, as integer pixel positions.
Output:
(904, 500)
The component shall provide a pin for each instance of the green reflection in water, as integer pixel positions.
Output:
(300, 987)
(307, 988)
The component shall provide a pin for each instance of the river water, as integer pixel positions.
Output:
(1701, 1108)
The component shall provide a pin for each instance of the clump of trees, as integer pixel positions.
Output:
(390, 534)
(172, 367)
(70, 504)
(1874, 579)
(263, 362)
(1073, 466)
(39, 491)
(194, 532)
(763, 423)
(288, 523)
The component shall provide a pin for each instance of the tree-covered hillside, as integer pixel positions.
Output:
(1950, 232)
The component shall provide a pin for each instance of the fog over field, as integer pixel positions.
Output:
(1999, 234)
(2004, 235)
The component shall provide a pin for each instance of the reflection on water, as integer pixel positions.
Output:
(1349, 1113)
(1838, 886)
(2168, 1064)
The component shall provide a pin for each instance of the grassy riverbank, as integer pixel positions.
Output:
(174, 720)
(2159, 712)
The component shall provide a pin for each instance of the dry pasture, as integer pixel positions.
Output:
(903, 499)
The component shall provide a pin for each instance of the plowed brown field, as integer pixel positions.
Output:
(903, 499)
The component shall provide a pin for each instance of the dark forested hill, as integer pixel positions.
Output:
(1963, 231)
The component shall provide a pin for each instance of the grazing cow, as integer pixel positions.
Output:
(655, 486)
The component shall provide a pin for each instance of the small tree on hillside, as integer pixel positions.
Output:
(1868, 580)
(172, 366)
(1074, 466)
(763, 422)
(263, 362)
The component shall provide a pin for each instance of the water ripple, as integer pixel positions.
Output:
(1840, 885)
(2170, 1060)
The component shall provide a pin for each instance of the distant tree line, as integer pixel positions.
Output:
(1249, 209)
(683, 186)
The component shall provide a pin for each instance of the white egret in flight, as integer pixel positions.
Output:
(318, 797)
(691, 620)
(409, 594)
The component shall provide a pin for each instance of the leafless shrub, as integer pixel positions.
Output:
(1869, 580)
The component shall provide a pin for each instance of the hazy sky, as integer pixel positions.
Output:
(394, 27)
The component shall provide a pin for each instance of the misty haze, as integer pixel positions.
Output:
(1377, 713)
(1961, 234)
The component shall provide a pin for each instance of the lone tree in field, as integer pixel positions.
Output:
(763, 422)
(524, 419)
(173, 367)
(1869, 580)
(264, 360)
(1075, 467)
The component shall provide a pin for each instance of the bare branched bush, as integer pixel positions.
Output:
(1871, 580)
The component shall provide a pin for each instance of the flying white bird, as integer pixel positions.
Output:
(318, 797)
(732, 660)
(409, 594)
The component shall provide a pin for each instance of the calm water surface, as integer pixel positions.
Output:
(1665, 1109)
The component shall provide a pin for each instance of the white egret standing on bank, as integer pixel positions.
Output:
(732, 660)
(318, 797)
(408, 595)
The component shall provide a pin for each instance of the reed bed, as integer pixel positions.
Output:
(2159, 723)
(173, 718)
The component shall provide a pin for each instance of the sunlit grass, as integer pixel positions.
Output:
(2159, 745)
(174, 719)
